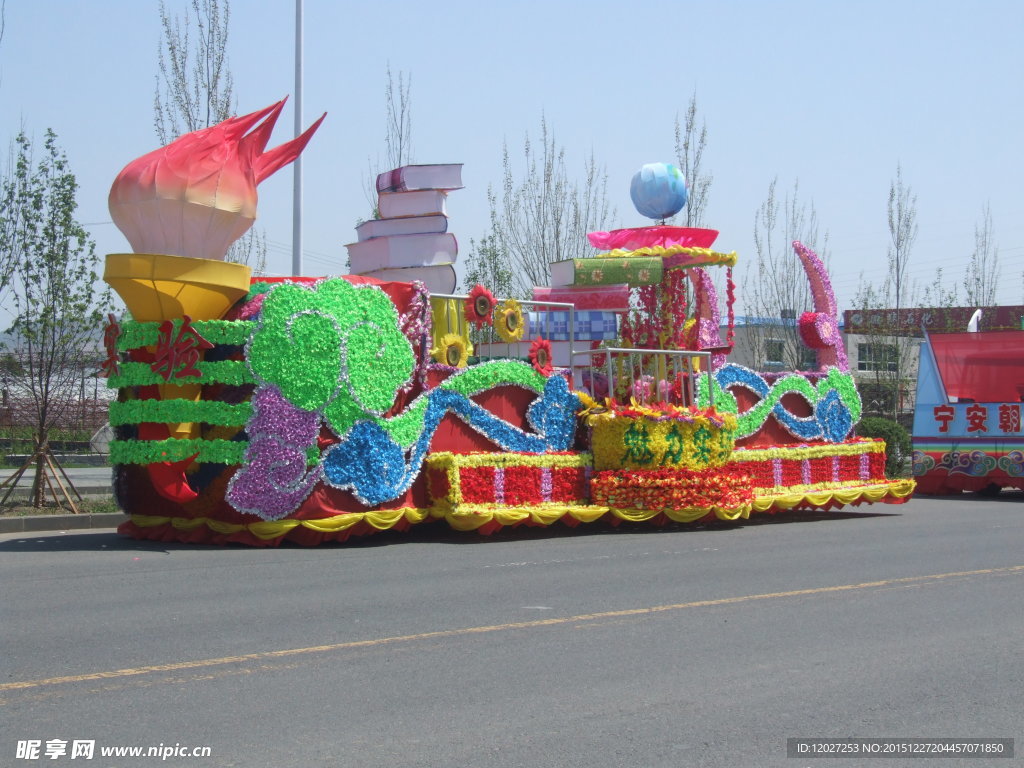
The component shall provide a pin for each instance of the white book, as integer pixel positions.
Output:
(413, 177)
(402, 251)
(438, 278)
(424, 202)
(409, 225)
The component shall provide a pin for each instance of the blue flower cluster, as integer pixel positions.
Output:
(372, 465)
(834, 402)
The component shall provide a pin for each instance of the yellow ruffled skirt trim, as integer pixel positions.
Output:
(802, 496)
(272, 529)
(470, 517)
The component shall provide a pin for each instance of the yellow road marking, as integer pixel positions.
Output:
(266, 655)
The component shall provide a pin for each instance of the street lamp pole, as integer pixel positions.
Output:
(297, 166)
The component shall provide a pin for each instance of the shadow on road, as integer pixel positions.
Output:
(993, 496)
(431, 532)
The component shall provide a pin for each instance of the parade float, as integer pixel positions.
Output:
(256, 410)
(967, 414)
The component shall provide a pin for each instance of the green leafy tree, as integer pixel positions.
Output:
(53, 288)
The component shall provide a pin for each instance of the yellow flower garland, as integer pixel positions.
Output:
(702, 256)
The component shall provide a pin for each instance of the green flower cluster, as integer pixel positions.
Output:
(213, 372)
(155, 451)
(334, 348)
(136, 334)
(168, 411)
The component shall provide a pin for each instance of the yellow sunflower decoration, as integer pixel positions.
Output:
(453, 351)
(509, 321)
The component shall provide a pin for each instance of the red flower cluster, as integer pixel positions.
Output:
(516, 486)
(844, 468)
(723, 487)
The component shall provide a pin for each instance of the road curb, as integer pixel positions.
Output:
(61, 522)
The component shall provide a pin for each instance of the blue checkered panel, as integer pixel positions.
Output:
(591, 325)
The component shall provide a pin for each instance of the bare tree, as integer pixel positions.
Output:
(194, 83)
(983, 268)
(397, 133)
(776, 290)
(544, 216)
(690, 145)
(902, 232)
(487, 263)
(889, 347)
(3, 19)
(194, 90)
(398, 137)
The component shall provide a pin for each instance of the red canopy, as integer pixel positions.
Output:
(985, 367)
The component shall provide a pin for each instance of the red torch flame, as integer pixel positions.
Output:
(197, 195)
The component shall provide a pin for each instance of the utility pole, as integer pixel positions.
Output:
(297, 165)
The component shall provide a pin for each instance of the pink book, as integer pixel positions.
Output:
(407, 225)
(609, 298)
(402, 251)
(413, 177)
(424, 202)
(438, 278)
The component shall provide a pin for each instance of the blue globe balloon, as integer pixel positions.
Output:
(658, 190)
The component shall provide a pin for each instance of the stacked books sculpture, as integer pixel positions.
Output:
(410, 239)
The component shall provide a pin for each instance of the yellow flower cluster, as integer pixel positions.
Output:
(800, 452)
(649, 442)
(509, 322)
(452, 351)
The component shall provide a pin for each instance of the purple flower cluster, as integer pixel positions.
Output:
(274, 480)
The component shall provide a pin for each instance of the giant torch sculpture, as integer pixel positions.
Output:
(181, 207)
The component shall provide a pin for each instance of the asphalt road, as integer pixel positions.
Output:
(689, 646)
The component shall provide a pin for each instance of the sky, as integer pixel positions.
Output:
(830, 95)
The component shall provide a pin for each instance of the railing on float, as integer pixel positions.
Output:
(493, 344)
(649, 375)
(672, 375)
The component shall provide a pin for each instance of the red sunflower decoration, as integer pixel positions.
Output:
(540, 356)
(479, 307)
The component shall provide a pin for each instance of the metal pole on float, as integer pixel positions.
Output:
(297, 167)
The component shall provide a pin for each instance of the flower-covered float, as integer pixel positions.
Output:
(259, 410)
